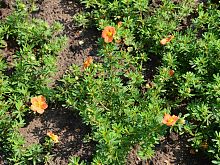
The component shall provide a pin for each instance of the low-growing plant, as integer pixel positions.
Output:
(75, 161)
(81, 19)
(27, 63)
(125, 99)
(112, 99)
(196, 78)
(184, 36)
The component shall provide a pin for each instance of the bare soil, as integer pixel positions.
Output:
(74, 52)
(172, 150)
(70, 129)
(175, 150)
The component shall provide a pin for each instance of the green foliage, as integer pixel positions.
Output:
(121, 105)
(120, 113)
(27, 63)
(75, 161)
(80, 19)
(123, 96)
(196, 82)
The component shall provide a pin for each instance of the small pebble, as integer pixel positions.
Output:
(81, 42)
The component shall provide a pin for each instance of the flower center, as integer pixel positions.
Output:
(109, 34)
(37, 103)
(170, 120)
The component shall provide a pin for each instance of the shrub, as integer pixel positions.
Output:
(112, 100)
(184, 36)
(27, 63)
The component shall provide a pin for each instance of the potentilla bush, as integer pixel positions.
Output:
(122, 108)
(28, 49)
(195, 54)
(120, 114)
(184, 36)
(145, 23)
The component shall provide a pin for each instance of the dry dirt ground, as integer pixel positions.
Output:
(172, 150)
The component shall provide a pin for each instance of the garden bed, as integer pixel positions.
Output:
(67, 123)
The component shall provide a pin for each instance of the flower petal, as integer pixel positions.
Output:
(34, 100)
(40, 111)
(44, 106)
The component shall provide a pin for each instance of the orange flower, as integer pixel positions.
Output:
(87, 62)
(38, 104)
(169, 120)
(165, 40)
(171, 72)
(108, 33)
(53, 137)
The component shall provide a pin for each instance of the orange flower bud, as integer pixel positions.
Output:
(87, 62)
(169, 120)
(53, 137)
(166, 40)
(163, 41)
(38, 104)
(108, 33)
(171, 72)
